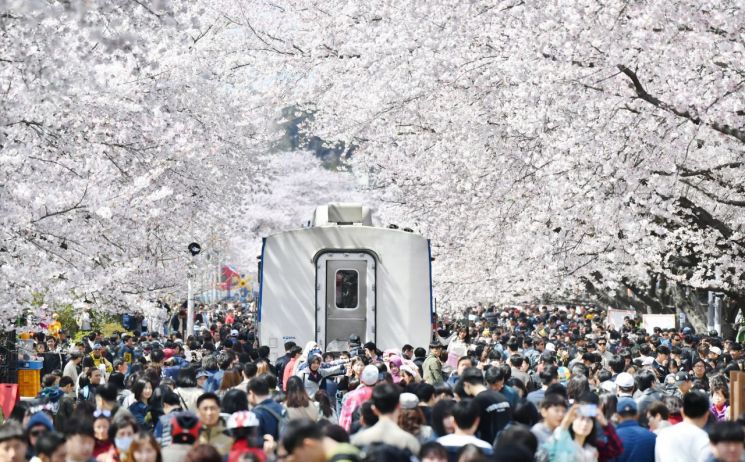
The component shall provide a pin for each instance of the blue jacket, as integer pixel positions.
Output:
(638, 442)
(139, 411)
(268, 424)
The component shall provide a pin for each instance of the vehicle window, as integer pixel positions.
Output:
(347, 288)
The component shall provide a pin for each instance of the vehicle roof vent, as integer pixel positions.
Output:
(342, 213)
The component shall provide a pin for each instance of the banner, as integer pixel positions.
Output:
(663, 321)
(615, 317)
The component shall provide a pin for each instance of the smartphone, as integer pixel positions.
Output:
(588, 410)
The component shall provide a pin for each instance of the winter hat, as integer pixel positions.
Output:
(40, 418)
(370, 375)
(408, 401)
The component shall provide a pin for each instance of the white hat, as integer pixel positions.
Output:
(647, 361)
(716, 350)
(624, 380)
(369, 375)
(408, 401)
(550, 347)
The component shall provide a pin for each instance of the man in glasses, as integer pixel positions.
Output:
(605, 355)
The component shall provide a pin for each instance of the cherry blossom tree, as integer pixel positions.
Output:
(544, 146)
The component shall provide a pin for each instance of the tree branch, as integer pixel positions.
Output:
(642, 94)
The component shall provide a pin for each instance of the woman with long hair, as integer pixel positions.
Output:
(140, 409)
(101, 425)
(144, 448)
(230, 379)
(298, 403)
(327, 411)
(411, 418)
(575, 439)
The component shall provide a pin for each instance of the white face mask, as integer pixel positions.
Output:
(122, 444)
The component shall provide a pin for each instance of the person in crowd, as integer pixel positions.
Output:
(270, 413)
(297, 402)
(213, 427)
(203, 453)
(122, 432)
(39, 424)
(98, 356)
(432, 366)
(314, 376)
(93, 379)
(553, 408)
(463, 363)
(144, 448)
(106, 401)
(284, 360)
(466, 416)
(187, 390)
(549, 375)
(140, 409)
(72, 367)
(80, 439)
(646, 382)
(231, 379)
(325, 407)
(185, 429)
(51, 447)
(495, 409)
(171, 406)
(658, 416)
(295, 354)
(719, 398)
(385, 399)
(354, 399)
(575, 438)
(303, 440)
(411, 418)
(243, 427)
(101, 427)
(686, 441)
(638, 442)
(726, 439)
(12, 443)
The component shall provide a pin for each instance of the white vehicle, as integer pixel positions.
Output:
(342, 276)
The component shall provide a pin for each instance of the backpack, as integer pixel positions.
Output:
(281, 418)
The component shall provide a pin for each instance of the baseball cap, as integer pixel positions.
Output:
(550, 347)
(202, 373)
(626, 406)
(369, 375)
(234, 333)
(716, 350)
(625, 380)
(681, 376)
(96, 346)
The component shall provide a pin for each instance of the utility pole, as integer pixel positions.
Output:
(194, 250)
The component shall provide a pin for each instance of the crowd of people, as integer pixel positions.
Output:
(525, 383)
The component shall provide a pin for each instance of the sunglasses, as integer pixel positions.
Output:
(36, 433)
